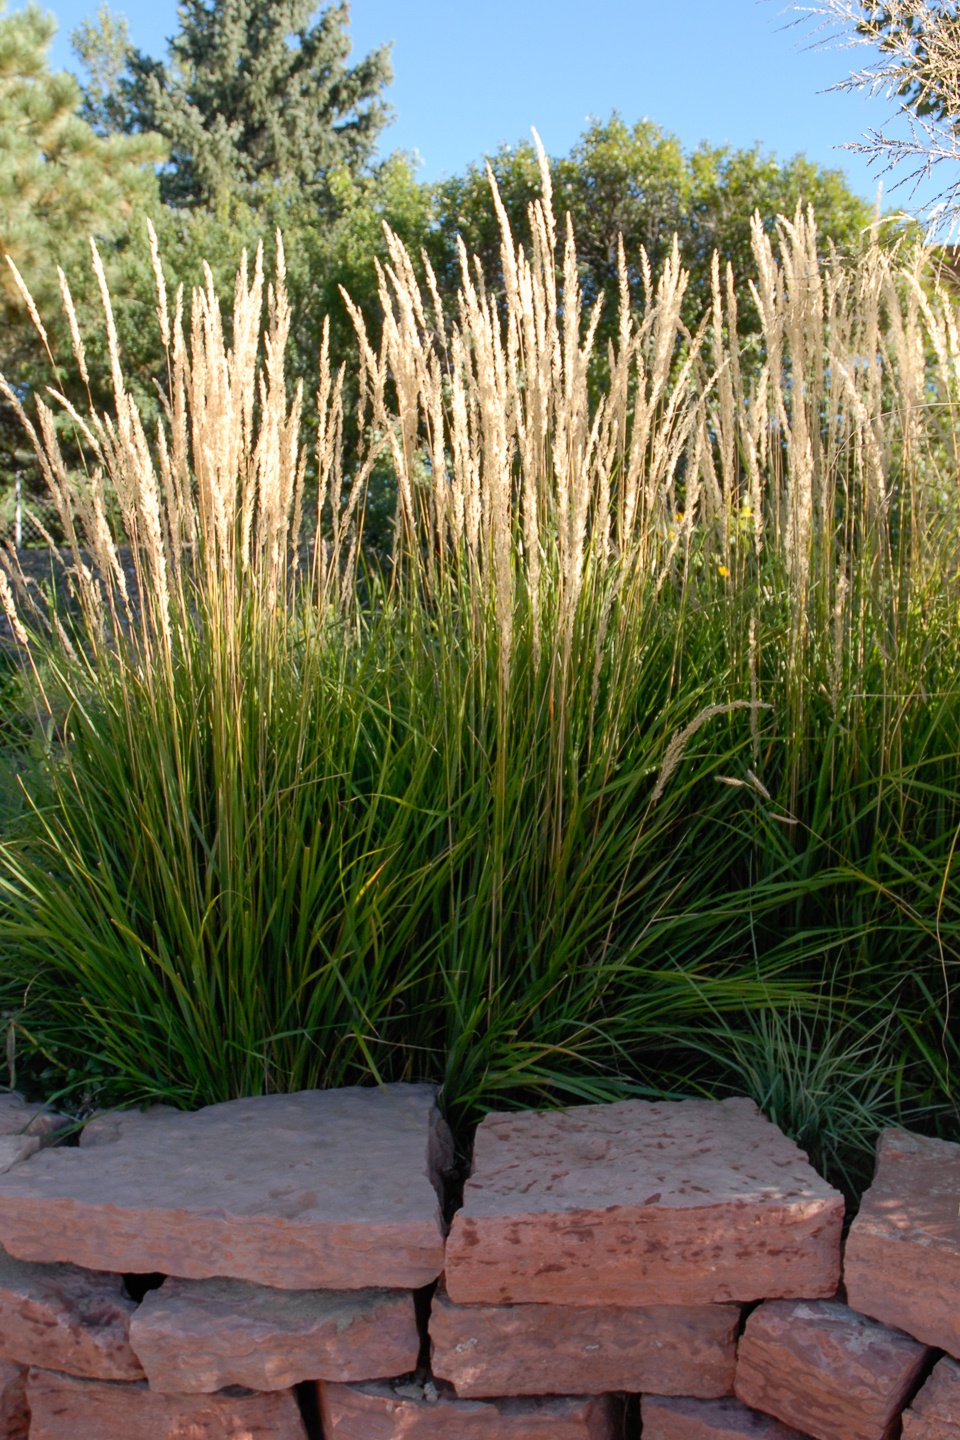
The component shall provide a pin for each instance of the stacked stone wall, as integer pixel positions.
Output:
(281, 1269)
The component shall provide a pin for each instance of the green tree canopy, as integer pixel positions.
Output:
(251, 95)
(103, 46)
(60, 182)
(638, 182)
(269, 129)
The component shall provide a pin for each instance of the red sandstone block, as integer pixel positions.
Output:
(902, 1259)
(14, 1411)
(203, 1335)
(328, 1189)
(64, 1318)
(62, 1408)
(727, 1419)
(377, 1412)
(636, 1203)
(826, 1370)
(558, 1349)
(935, 1413)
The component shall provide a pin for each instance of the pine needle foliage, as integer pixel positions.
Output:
(251, 95)
(58, 177)
(59, 182)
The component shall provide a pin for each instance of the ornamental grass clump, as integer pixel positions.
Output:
(648, 718)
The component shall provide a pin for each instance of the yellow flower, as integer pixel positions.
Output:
(723, 571)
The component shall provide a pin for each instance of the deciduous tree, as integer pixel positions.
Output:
(638, 182)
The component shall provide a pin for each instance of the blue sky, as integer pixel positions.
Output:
(468, 77)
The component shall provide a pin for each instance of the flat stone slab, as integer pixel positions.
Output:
(378, 1412)
(935, 1412)
(902, 1258)
(63, 1408)
(14, 1411)
(638, 1203)
(63, 1318)
(198, 1336)
(332, 1189)
(485, 1350)
(727, 1419)
(825, 1368)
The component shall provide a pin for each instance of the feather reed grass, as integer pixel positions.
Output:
(307, 820)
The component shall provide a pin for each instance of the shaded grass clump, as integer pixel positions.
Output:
(632, 768)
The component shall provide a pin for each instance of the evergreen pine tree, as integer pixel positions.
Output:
(60, 182)
(256, 95)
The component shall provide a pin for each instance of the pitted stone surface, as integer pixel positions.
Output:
(935, 1412)
(319, 1190)
(63, 1408)
(638, 1203)
(63, 1318)
(198, 1336)
(25, 1128)
(902, 1258)
(15, 1148)
(14, 1412)
(108, 1125)
(377, 1412)
(727, 1419)
(20, 1117)
(486, 1350)
(823, 1367)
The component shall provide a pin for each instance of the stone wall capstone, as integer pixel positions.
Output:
(280, 1269)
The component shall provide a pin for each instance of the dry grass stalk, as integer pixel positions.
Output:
(682, 738)
(506, 466)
